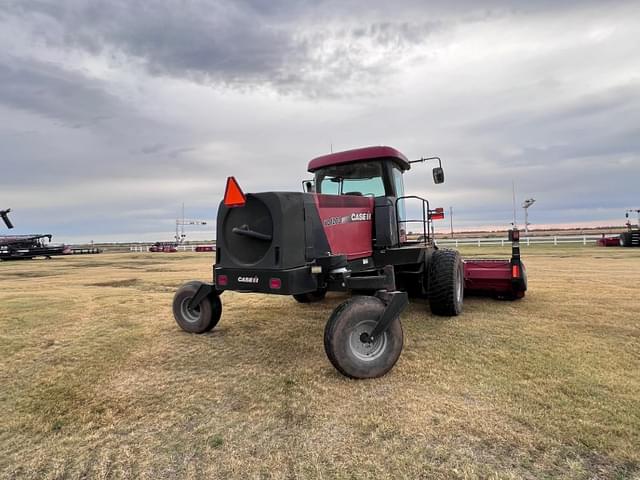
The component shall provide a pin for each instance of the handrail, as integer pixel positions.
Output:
(426, 221)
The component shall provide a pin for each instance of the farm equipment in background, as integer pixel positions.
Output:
(631, 238)
(608, 241)
(164, 247)
(347, 233)
(27, 247)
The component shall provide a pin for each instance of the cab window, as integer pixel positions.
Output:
(399, 188)
(362, 179)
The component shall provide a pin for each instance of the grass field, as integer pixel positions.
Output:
(97, 381)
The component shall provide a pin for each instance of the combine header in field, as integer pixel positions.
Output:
(27, 247)
(347, 232)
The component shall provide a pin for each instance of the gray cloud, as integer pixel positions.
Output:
(113, 113)
(58, 94)
(238, 44)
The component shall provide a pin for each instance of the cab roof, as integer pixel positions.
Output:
(358, 155)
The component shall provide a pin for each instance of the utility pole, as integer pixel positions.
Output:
(451, 219)
(526, 204)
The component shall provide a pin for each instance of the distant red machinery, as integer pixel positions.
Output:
(205, 248)
(163, 247)
(608, 241)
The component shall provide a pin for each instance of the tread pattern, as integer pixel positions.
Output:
(211, 309)
(336, 331)
(445, 270)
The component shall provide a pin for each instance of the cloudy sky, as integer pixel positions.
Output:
(113, 113)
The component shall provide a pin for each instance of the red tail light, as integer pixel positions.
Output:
(275, 283)
(233, 196)
(221, 280)
(437, 214)
(515, 271)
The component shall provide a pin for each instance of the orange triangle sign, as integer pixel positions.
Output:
(233, 196)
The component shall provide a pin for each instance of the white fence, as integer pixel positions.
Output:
(538, 240)
(524, 241)
(145, 248)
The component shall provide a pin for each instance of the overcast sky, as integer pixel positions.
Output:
(113, 113)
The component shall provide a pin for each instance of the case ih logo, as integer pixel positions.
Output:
(248, 279)
(354, 217)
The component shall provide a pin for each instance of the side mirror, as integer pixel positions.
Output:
(438, 175)
(309, 186)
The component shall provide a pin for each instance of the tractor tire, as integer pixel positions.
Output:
(446, 283)
(625, 239)
(342, 339)
(200, 319)
(311, 297)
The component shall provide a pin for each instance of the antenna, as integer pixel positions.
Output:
(513, 192)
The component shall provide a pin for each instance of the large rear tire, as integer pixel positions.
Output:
(343, 343)
(625, 239)
(311, 297)
(446, 283)
(201, 318)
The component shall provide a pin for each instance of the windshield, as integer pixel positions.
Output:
(362, 178)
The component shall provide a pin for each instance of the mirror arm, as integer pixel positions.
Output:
(422, 160)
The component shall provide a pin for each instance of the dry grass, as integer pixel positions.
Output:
(98, 382)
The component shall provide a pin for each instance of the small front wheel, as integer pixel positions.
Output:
(201, 318)
(347, 344)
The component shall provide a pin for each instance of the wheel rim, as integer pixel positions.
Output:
(366, 351)
(458, 291)
(190, 315)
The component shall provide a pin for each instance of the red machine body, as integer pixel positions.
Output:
(506, 279)
(347, 224)
(495, 278)
(608, 242)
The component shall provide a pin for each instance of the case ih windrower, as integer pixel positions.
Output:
(347, 233)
